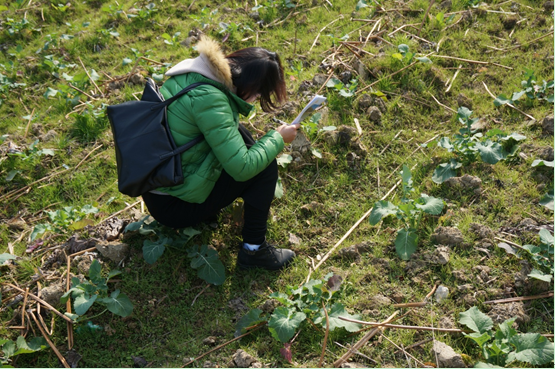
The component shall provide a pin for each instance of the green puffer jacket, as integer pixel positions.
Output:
(214, 113)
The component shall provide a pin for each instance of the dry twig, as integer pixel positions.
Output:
(52, 346)
(363, 341)
(524, 298)
(41, 301)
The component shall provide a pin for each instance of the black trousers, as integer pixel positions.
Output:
(257, 194)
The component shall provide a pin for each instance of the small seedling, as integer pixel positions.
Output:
(85, 293)
(470, 144)
(505, 345)
(65, 220)
(171, 40)
(409, 212)
(542, 256)
(345, 90)
(406, 57)
(530, 89)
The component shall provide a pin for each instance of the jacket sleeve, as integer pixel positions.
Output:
(215, 119)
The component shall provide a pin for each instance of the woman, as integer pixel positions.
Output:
(221, 168)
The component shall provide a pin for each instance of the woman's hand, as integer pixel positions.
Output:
(288, 131)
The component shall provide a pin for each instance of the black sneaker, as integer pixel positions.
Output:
(266, 257)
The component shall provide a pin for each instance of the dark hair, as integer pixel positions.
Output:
(255, 70)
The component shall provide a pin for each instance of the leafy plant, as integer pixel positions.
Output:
(203, 258)
(31, 155)
(310, 302)
(440, 20)
(470, 144)
(204, 18)
(171, 40)
(345, 90)
(542, 256)
(505, 345)
(20, 346)
(531, 90)
(406, 57)
(409, 212)
(16, 27)
(144, 13)
(547, 199)
(64, 220)
(85, 293)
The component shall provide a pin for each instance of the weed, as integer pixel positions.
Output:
(470, 144)
(531, 90)
(64, 220)
(312, 302)
(204, 259)
(505, 345)
(95, 290)
(409, 212)
(20, 346)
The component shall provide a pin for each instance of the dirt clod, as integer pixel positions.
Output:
(547, 125)
(115, 251)
(446, 356)
(501, 312)
(242, 359)
(449, 236)
(481, 231)
(52, 293)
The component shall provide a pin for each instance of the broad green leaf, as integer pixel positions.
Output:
(126, 61)
(541, 163)
(501, 100)
(12, 174)
(536, 274)
(346, 93)
(253, 317)
(113, 273)
(188, 233)
(39, 230)
(491, 152)
(505, 330)
(329, 128)
(334, 313)
(531, 348)
(406, 175)
(445, 171)
(403, 49)
(333, 82)
(210, 267)
(83, 302)
(153, 250)
(476, 320)
(424, 59)
(518, 95)
(514, 136)
(135, 225)
(5, 257)
(545, 237)
(547, 200)
(118, 303)
(397, 56)
(445, 143)
(361, 4)
(95, 270)
(405, 243)
(50, 92)
(464, 112)
(9, 349)
(281, 297)
(381, 210)
(284, 322)
(317, 153)
(284, 159)
(24, 347)
(430, 205)
(80, 224)
(480, 339)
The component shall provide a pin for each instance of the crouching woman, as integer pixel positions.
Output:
(228, 163)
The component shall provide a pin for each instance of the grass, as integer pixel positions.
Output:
(171, 316)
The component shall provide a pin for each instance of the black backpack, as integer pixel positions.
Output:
(146, 154)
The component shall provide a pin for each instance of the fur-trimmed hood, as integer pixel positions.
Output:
(211, 63)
